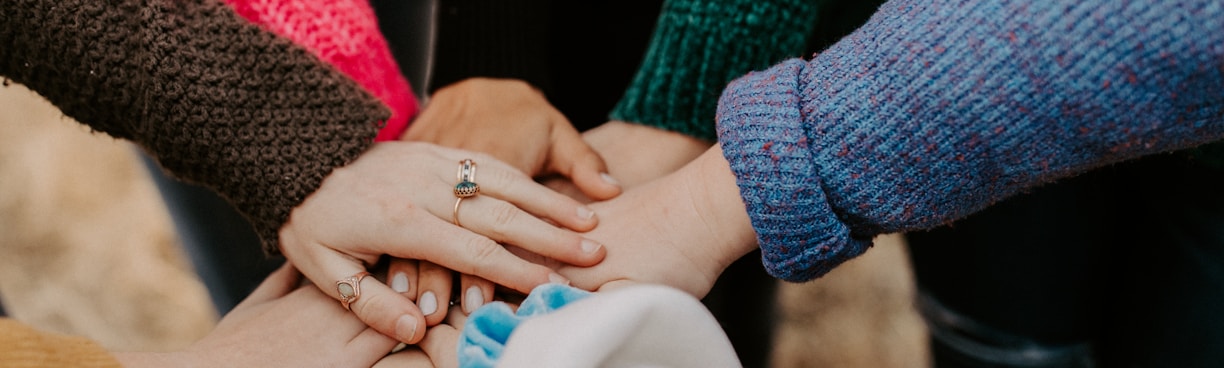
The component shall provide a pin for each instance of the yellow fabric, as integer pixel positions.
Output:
(24, 347)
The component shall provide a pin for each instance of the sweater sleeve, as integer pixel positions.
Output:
(700, 45)
(935, 109)
(216, 100)
(491, 38)
(345, 34)
(25, 347)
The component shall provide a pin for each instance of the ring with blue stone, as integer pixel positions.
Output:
(467, 186)
(466, 189)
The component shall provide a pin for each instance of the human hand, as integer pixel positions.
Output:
(279, 325)
(437, 349)
(635, 154)
(513, 122)
(682, 230)
(397, 199)
(430, 286)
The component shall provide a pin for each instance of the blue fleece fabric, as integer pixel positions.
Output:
(489, 327)
(935, 109)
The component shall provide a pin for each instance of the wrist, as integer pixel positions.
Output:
(178, 359)
(714, 195)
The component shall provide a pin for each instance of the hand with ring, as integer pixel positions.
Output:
(514, 122)
(435, 282)
(399, 199)
(280, 324)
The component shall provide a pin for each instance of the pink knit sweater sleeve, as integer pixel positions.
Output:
(345, 34)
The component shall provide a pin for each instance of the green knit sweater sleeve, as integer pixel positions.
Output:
(698, 47)
(216, 100)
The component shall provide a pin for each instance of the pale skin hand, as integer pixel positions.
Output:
(437, 349)
(279, 325)
(513, 122)
(639, 153)
(635, 154)
(681, 230)
(397, 199)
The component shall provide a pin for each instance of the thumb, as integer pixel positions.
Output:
(573, 158)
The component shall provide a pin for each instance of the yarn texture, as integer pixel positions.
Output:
(935, 109)
(215, 99)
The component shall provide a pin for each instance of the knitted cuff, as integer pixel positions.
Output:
(491, 38)
(699, 46)
(345, 34)
(761, 129)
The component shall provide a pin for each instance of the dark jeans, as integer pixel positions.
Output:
(1120, 267)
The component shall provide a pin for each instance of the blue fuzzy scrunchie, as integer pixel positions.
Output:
(488, 328)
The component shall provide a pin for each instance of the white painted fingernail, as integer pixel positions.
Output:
(609, 179)
(558, 279)
(585, 213)
(428, 303)
(473, 298)
(589, 246)
(399, 282)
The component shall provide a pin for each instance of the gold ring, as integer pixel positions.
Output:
(467, 186)
(350, 289)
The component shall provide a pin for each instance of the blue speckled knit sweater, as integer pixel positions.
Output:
(935, 109)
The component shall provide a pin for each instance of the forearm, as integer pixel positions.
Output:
(214, 99)
(700, 45)
(935, 109)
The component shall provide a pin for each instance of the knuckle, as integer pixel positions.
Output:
(483, 252)
(504, 216)
(503, 178)
(379, 310)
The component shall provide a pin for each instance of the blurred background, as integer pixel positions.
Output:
(87, 248)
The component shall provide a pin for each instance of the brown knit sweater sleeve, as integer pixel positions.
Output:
(214, 99)
(24, 347)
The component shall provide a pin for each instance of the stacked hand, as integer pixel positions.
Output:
(697, 226)
(279, 325)
(397, 199)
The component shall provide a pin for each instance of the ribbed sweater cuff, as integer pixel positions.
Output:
(698, 47)
(761, 127)
(491, 38)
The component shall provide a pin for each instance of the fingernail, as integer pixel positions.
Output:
(589, 246)
(399, 282)
(558, 279)
(428, 303)
(585, 213)
(405, 328)
(473, 299)
(609, 179)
